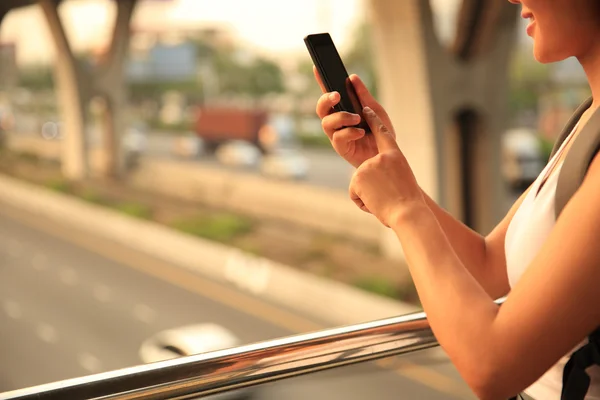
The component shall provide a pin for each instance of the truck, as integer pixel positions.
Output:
(217, 125)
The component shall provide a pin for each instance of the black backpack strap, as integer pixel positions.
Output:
(576, 381)
(568, 128)
(576, 163)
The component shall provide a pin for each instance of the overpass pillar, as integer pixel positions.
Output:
(448, 109)
(76, 87)
(109, 84)
(70, 92)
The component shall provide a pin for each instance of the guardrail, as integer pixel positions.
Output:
(225, 370)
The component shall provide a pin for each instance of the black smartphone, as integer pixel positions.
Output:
(333, 73)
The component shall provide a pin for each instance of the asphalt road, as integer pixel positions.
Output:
(67, 311)
(326, 168)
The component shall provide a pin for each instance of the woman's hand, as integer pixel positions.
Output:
(351, 143)
(385, 185)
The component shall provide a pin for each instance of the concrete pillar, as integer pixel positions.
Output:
(3, 12)
(110, 85)
(70, 91)
(439, 97)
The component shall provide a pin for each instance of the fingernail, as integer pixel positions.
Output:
(333, 96)
(367, 110)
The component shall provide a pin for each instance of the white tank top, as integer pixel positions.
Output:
(528, 229)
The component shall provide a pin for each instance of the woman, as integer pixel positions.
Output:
(551, 268)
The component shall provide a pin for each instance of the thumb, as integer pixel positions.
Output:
(385, 139)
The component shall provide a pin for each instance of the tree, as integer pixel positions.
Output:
(528, 79)
(36, 77)
(361, 57)
(240, 72)
(358, 60)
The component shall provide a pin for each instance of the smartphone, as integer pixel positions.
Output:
(334, 75)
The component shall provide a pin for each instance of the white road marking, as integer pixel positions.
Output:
(102, 293)
(89, 362)
(68, 276)
(144, 313)
(12, 309)
(39, 262)
(47, 333)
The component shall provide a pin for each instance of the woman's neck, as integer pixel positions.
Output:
(591, 66)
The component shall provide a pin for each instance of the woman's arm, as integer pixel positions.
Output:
(555, 305)
(499, 351)
(483, 256)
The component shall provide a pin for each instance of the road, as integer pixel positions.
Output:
(326, 168)
(68, 311)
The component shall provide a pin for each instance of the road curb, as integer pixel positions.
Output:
(318, 297)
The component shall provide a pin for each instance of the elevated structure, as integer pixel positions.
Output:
(77, 86)
(449, 104)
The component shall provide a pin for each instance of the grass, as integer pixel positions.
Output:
(546, 146)
(218, 227)
(27, 156)
(91, 196)
(182, 127)
(250, 248)
(58, 185)
(136, 210)
(378, 285)
(319, 140)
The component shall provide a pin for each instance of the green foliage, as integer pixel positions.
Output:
(546, 146)
(360, 59)
(59, 185)
(91, 196)
(319, 141)
(28, 156)
(383, 287)
(256, 77)
(217, 227)
(253, 249)
(133, 209)
(377, 285)
(528, 78)
(36, 77)
(156, 124)
(155, 89)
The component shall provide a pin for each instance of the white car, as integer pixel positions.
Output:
(284, 164)
(189, 340)
(522, 158)
(238, 153)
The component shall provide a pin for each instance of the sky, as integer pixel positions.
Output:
(272, 26)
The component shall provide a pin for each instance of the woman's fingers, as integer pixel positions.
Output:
(367, 99)
(326, 103)
(343, 139)
(319, 80)
(339, 120)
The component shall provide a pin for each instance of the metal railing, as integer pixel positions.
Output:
(225, 370)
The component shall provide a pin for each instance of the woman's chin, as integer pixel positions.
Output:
(545, 56)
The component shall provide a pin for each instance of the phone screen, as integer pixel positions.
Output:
(333, 73)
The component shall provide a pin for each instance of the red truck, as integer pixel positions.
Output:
(216, 125)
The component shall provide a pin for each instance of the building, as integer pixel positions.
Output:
(8, 65)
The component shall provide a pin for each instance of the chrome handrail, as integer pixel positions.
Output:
(225, 370)
(230, 369)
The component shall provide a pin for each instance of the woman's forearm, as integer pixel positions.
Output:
(470, 247)
(459, 310)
